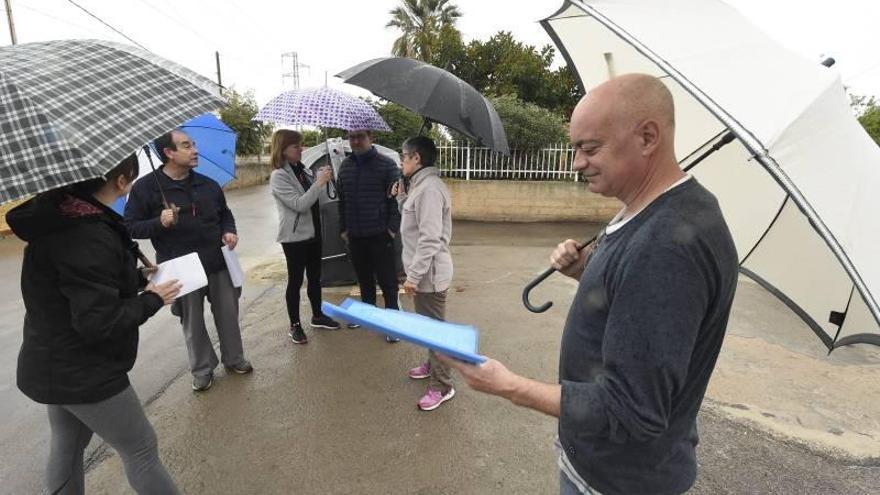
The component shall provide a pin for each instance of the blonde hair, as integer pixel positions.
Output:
(281, 140)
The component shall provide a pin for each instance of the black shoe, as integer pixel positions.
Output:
(325, 322)
(242, 368)
(202, 382)
(297, 335)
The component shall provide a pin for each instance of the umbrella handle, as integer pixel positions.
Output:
(531, 285)
(540, 278)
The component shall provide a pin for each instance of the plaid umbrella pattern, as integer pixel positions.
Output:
(71, 110)
(322, 107)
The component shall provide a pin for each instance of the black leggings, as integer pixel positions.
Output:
(303, 255)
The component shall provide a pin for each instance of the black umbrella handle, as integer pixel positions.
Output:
(540, 278)
(531, 285)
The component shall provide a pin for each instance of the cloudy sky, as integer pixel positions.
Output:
(332, 35)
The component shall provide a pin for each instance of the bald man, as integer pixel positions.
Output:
(654, 295)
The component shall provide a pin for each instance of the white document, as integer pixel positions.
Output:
(187, 270)
(234, 266)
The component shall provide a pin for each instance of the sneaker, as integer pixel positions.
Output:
(242, 368)
(391, 340)
(297, 335)
(325, 322)
(202, 382)
(421, 371)
(353, 325)
(433, 398)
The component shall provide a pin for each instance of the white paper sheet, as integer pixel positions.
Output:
(187, 269)
(234, 266)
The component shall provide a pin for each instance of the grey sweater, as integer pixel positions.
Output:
(641, 341)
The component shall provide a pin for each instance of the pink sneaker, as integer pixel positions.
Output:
(421, 371)
(433, 398)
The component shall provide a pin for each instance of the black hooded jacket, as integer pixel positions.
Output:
(80, 286)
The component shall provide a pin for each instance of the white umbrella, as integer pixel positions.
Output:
(798, 186)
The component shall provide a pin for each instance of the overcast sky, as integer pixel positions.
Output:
(332, 35)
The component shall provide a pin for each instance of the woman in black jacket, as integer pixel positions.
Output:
(85, 299)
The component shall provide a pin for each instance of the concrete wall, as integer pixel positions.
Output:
(250, 171)
(528, 201)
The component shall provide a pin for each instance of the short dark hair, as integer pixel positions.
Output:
(127, 168)
(425, 147)
(162, 142)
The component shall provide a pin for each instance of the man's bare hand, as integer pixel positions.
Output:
(344, 236)
(568, 260)
(167, 291)
(230, 239)
(169, 216)
(409, 287)
(490, 377)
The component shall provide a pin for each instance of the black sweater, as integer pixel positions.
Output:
(80, 288)
(203, 218)
(365, 208)
(640, 344)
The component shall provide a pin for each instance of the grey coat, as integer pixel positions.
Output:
(294, 204)
(426, 230)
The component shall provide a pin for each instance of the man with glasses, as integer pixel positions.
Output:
(368, 217)
(189, 214)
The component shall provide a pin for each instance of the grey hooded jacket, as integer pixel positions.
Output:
(426, 230)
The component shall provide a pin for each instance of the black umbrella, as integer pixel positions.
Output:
(434, 93)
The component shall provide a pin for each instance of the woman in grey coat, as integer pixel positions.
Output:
(425, 230)
(296, 191)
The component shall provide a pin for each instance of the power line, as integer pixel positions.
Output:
(120, 33)
(211, 43)
(86, 29)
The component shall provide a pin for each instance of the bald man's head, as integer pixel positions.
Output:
(633, 98)
(624, 129)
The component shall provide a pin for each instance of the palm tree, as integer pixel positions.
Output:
(421, 22)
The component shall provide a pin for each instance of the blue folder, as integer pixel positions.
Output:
(458, 341)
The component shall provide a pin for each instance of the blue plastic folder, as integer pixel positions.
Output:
(458, 341)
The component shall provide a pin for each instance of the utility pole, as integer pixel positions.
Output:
(219, 79)
(11, 24)
(293, 74)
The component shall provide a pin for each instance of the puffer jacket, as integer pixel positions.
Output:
(80, 286)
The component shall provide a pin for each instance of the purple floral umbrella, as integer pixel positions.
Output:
(322, 107)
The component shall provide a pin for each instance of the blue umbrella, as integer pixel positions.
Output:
(215, 142)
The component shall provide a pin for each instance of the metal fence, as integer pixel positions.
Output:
(461, 161)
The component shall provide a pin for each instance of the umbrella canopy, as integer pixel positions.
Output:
(322, 107)
(215, 142)
(433, 93)
(798, 186)
(73, 109)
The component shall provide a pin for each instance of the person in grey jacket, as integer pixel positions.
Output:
(296, 191)
(426, 229)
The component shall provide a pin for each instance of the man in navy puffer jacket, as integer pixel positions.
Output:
(368, 217)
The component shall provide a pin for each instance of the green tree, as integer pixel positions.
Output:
(237, 114)
(502, 65)
(868, 112)
(421, 23)
(404, 124)
(528, 126)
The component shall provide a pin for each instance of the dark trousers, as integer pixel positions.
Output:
(305, 255)
(373, 260)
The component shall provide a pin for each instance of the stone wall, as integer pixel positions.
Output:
(528, 201)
